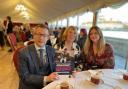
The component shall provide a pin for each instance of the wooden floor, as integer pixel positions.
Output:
(8, 75)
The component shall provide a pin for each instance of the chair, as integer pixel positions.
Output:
(28, 42)
(16, 58)
(12, 41)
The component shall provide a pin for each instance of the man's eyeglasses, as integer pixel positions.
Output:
(42, 35)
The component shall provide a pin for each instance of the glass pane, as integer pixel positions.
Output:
(85, 20)
(52, 25)
(64, 23)
(73, 21)
(114, 24)
(59, 23)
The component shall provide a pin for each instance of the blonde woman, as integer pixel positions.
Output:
(68, 48)
(97, 53)
(68, 43)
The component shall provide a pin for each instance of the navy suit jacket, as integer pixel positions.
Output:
(30, 77)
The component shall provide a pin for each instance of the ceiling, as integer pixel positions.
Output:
(46, 10)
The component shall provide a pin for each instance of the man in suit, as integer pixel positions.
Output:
(32, 72)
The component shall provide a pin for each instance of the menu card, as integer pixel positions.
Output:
(63, 63)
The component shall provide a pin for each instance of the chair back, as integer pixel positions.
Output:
(12, 41)
(30, 42)
(16, 58)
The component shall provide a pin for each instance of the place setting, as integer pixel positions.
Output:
(64, 85)
(95, 77)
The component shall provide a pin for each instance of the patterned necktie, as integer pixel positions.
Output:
(41, 57)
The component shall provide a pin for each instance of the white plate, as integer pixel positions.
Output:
(58, 87)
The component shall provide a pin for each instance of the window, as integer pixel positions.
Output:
(73, 21)
(110, 20)
(59, 23)
(85, 20)
(64, 23)
(114, 23)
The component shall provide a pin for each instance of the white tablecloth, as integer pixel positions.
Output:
(111, 78)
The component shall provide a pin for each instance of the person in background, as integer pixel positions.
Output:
(48, 41)
(97, 53)
(56, 32)
(46, 24)
(60, 38)
(16, 31)
(36, 69)
(27, 31)
(82, 38)
(9, 30)
(1, 36)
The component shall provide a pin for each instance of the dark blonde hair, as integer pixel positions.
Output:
(101, 43)
(61, 38)
(66, 31)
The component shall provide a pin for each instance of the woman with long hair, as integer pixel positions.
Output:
(97, 54)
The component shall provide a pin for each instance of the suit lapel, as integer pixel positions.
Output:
(34, 56)
(49, 55)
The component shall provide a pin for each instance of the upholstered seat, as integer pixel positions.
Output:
(16, 58)
(28, 42)
(12, 40)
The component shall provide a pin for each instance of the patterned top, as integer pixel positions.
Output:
(91, 61)
(66, 58)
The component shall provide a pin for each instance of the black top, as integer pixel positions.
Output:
(10, 27)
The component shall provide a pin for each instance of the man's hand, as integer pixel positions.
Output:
(53, 76)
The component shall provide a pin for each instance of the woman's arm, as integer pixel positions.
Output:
(109, 63)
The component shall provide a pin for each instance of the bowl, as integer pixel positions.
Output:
(64, 85)
(95, 80)
(125, 76)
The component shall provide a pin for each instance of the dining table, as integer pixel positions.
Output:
(111, 79)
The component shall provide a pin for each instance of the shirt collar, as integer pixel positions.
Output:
(37, 47)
